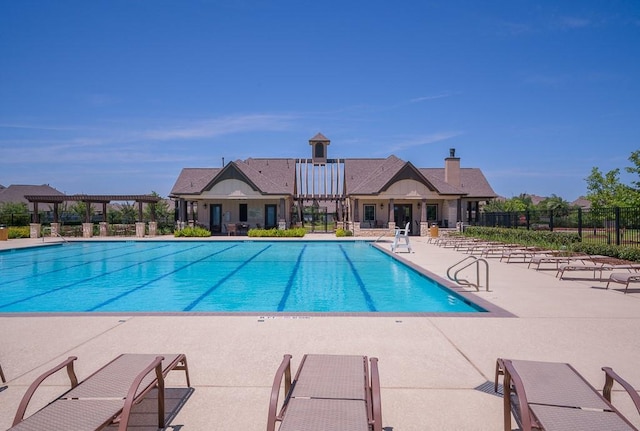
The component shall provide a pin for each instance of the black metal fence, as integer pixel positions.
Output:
(619, 226)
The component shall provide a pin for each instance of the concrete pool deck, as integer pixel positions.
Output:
(434, 370)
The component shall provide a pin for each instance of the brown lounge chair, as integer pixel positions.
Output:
(105, 397)
(329, 392)
(624, 278)
(554, 396)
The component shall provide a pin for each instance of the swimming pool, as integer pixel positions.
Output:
(218, 276)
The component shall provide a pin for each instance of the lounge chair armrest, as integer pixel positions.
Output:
(22, 407)
(611, 376)
(133, 389)
(284, 371)
(512, 376)
(376, 404)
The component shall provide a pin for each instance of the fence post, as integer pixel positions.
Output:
(616, 211)
(580, 222)
(551, 220)
(528, 216)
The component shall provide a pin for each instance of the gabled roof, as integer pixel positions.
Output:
(372, 176)
(473, 183)
(271, 176)
(16, 193)
(267, 176)
(193, 180)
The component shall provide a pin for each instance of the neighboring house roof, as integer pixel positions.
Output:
(582, 202)
(473, 183)
(16, 193)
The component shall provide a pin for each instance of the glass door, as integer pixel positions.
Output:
(402, 214)
(270, 215)
(215, 216)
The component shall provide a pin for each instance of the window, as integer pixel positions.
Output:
(432, 212)
(370, 213)
(243, 212)
(319, 153)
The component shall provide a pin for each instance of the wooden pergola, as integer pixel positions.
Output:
(56, 200)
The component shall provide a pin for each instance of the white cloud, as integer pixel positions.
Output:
(219, 126)
(421, 140)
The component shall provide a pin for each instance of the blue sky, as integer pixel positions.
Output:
(116, 97)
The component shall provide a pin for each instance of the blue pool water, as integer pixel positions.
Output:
(206, 276)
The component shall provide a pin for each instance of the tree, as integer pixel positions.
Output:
(14, 213)
(556, 204)
(607, 190)
(80, 209)
(635, 169)
(163, 213)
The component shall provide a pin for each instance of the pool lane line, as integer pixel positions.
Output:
(128, 292)
(58, 258)
(222, 280)
(367, 297)
(77, 265)
(17, 301)
(287, 290)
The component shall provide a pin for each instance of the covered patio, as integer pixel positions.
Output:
(87, 225)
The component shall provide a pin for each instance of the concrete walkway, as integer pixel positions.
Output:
(434, 370)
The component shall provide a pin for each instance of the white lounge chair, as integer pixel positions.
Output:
(402, 235)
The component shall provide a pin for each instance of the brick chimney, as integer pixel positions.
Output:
(452, 168)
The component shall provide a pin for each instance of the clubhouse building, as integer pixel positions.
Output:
(368, 196)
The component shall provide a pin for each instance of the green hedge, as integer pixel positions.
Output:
(552, 240)
(192, 232)
(620, 252)
(297, 232)
(524, 237)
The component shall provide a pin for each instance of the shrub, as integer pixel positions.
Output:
(19, 232)
(620, 252)
(525, 237)
(192, 232)
(343, 232)
(297, 232)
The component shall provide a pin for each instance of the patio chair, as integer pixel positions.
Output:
(329, 392)
(232, 229)
(105, 397)
(554, 396)
(402, 235)
(625, 278)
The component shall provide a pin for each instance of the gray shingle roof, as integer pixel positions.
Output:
(193, 180)
(271, 176)
(368, 176)
(473, 183)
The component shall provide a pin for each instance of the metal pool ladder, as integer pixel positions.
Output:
(463, 264)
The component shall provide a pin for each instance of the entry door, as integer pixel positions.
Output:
(403, 215)
(270, 216)
(216, 218)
